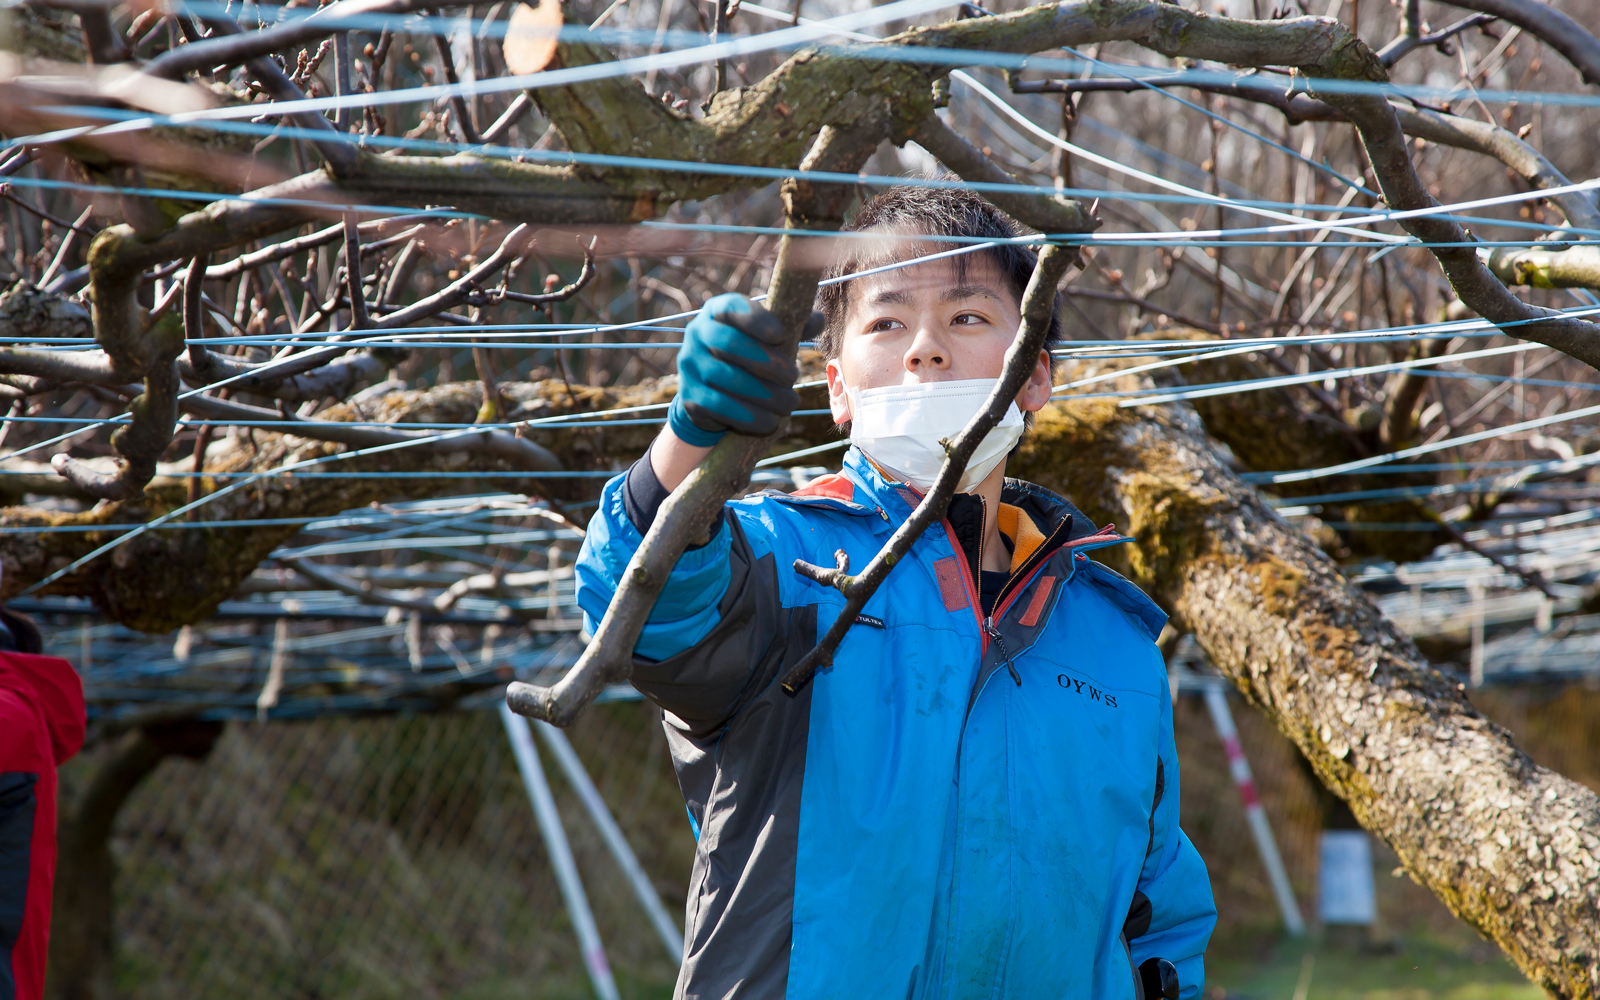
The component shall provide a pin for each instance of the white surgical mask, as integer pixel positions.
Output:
(900, 426)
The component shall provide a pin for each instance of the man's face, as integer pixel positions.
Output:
(929, 323)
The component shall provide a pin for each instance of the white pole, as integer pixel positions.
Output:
(555, 842)
(1222, 718)
(572, 767)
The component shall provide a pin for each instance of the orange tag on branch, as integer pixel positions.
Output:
(531, 36)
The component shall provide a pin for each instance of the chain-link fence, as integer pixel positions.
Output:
(399, 855)
(386, 857)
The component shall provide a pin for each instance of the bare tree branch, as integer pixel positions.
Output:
(154, 412)
(9, 193)
(140, 351)
(288, 248)
(400, 274)
(1404, 391)
(340, 155)
(341, 78)
(194, 327)
(1471, 279)
(311, 374)
(1045, 214)
(482, 583)
(59, 366)
(1295, 106)
(1508, 566)
(527, 455)
(354, 292)
(1327, 49)
(1412, 39)
(1144, 304)
(512, 248)
(458, 104)
(1562, 33)
(29, 313)
(363, 591)
(585, 275)
(513, 114)
(1424, 123)
(236, 47)
(68, 248)
(101, 40)
(1502, 144)
(1574, 267)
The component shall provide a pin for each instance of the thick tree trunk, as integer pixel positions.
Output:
(82, 934)
(165, 579)
(1510, 847)
(161, 580)
(82, 940)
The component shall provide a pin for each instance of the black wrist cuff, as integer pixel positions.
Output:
(643, 495)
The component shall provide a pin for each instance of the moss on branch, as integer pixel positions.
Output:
(1510, 847)
(164, 579)
(1574, 267)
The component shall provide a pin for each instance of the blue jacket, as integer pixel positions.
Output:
(947, 812)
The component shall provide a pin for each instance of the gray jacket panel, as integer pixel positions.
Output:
(738, 740)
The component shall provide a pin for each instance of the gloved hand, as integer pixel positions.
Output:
(733, 374)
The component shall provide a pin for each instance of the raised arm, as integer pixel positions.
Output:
(733, 376)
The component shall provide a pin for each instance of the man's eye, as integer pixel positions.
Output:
(883, 325)
(967, 319)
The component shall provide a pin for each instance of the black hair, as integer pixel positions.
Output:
(927, 211)
(18, 633)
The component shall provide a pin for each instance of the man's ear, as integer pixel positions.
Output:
(838, 399)
(1036, 391)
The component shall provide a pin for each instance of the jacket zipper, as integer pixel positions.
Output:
(991, 629)
(1040, 555)
(987, 628)
(987, 621)
(994, 633)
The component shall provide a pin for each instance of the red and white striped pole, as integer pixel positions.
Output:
(1217, 702)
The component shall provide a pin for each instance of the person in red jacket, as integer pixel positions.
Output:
(42, 720)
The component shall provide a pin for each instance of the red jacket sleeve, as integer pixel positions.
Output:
(41, 725)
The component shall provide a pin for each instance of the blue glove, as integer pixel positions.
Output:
(733, 373)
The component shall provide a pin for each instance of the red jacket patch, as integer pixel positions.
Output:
(834, 486)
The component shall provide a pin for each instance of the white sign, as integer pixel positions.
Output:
(1345, 890)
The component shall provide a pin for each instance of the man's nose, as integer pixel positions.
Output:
(928, 351)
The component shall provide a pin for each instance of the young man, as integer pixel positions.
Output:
(980, 797)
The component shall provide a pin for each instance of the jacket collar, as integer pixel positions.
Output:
(1048, 511)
